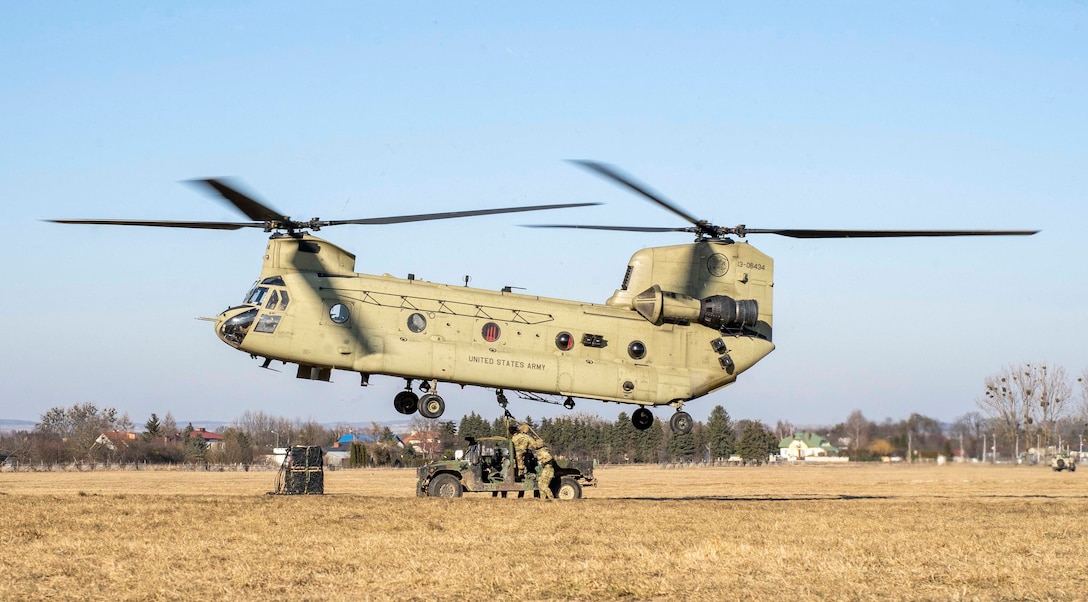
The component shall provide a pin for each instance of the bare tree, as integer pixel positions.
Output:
(857, 427)
(784, 429)
(1082, 402)
(1031, 398)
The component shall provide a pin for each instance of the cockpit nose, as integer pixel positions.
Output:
(233, 324)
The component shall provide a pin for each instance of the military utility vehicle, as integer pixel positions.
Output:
(488, 465)
(1063, 462)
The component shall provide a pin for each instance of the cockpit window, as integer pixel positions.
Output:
(273, 281)
(284, 300)
(267, 323)
(256, 296)
(273, 299)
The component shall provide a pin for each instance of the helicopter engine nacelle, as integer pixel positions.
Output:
(720, 311)
(717, 311)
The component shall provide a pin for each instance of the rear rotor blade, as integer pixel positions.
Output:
(792, 233)
(615, 175)
(612, 228)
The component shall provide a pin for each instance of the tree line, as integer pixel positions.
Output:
(1022, 409)
(86, 433)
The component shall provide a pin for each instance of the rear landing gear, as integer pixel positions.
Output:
(431, 406)
(642, 419)
(680, 423)
(406, 402)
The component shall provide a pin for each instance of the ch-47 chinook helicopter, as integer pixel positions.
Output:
(686, 321)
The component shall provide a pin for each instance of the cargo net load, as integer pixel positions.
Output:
(302, 472)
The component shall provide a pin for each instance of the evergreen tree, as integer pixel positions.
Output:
(194, 444)
(682, 447)
(719, 434)
(756, 443)
(622, 439)
(473, 425)
(649, 443)
(152, 429)
(357, 457)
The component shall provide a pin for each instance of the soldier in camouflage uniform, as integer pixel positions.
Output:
(522, 441)
(547, 471)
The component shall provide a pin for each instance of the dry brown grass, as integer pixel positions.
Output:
(817, 532)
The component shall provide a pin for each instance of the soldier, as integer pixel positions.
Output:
(522, 441)
(547, 471)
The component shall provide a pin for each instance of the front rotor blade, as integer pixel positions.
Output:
(252, 208)
(612, 228)
(401, 219)
(613, 174)
(161, 223)
(883, 233)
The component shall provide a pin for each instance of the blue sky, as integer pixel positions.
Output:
(776, 115)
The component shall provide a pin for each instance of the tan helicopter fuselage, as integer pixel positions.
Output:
(687, 321)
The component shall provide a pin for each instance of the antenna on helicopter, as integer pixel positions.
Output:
(467, 278)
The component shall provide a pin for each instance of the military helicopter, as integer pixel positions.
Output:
(686, 321)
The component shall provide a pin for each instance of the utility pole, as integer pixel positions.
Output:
(1016, 460)
(910, 447)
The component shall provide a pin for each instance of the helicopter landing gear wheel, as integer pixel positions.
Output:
(642, 419)
(431, 406)
(568, 403)
(680, 423)
(406, 402)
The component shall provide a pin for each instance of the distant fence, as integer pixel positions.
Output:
(132, 466)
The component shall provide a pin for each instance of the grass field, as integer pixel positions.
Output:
(854, 532)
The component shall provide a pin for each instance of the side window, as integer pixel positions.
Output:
(284, 300)
(267, 324)
(273, 299)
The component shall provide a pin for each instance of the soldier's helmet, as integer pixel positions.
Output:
(523, 428)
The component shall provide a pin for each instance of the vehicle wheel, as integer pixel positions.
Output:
(680, 423)
(569, 489)
(445, 485)
(642, 419)
(1060, 464)
(431, 406)
(1072, 468)
(406, 402)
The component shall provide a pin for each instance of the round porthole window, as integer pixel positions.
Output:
(417, 323)
(491, 332)
(339, 313)
(564, 341)
(637, 350)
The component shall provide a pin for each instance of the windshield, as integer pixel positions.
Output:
(256, 295)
